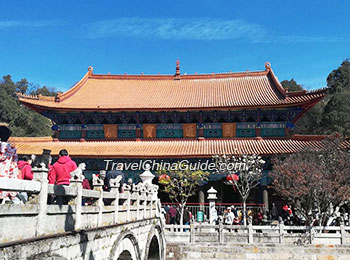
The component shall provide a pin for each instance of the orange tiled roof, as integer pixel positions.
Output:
(174, 92)
(168, 148)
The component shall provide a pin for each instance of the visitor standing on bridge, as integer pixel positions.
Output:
(25, 168)
(60, 172)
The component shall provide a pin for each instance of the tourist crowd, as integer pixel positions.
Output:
(12, 167)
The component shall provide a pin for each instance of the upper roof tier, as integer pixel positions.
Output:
(94, 92)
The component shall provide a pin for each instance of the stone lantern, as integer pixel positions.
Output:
(147, 176)
(213, 215)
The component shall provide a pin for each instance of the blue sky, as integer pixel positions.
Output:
(53, 42)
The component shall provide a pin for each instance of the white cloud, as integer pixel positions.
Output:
(194, 29)
(176, 28)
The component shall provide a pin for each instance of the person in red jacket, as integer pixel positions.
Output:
(24, 166)
(60, 172)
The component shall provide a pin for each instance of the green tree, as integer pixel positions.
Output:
(310, 122)
(332, 113)
(22, 86)
(22, 121)
(181, 183)
(44, 91)
(291, 85)
(339, 80)
(336, 116)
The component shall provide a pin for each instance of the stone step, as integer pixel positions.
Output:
(234, 251)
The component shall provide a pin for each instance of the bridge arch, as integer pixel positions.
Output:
(125, 247)
(155, 246)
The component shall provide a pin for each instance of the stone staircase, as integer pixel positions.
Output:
(256, 251)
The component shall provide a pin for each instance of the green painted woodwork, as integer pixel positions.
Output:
(245, 130)
(95, 134)
(169, 131)
(272, 132)
(245, 133)
(272, 129)
(212, 130)
(70, 134)
(127, 131)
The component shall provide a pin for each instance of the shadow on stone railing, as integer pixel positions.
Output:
(37, 218)
(273, 234)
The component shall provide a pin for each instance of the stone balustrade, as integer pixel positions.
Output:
(37, 218)
(251, 234)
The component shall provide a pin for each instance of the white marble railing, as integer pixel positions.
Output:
(36, 217)
(276, 234)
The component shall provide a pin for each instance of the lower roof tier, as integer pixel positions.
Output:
(165, 148)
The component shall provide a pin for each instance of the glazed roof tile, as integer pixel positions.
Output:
(167, 92)
(167, 148)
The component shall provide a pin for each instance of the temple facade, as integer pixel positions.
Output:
(128, 118)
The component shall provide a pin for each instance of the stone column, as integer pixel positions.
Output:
(201, 198)
(40, 174)
(127, 190)
(115, 184)
(212, 211)
(76, 180)
(265, 199)
(97, 183)
(135, 190)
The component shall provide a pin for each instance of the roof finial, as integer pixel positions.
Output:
(90, 69)
(267, 65)
(177, 67)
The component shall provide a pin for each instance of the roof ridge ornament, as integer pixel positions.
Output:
(90, 69)
(177, 72)
(267, 65)
(58, 97)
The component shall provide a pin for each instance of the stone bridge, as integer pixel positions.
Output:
(94, 225)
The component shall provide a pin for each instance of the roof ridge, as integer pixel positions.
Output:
(275, 80)
(184, 76)
(61, 97)
(35, 97)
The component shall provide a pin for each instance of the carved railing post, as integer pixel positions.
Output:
(281, 231)
(342, 232)
(40, 174)
(115, 184)
(77, 178)
(250, 232)
(192, 233)
(127, 190)
(155, 199)
(221, 233)
(143, 192)
(135, 190)
(97, 183)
